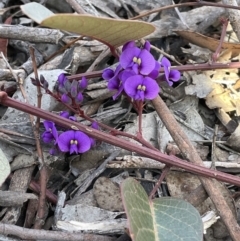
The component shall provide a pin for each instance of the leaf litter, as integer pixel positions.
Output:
(205, 99)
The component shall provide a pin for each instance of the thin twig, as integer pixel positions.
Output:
(198, 3)
(234, 16)
(43, 169)
(214, 147)
(29, 234)
(76, 6)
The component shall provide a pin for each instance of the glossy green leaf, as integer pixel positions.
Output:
(113, 32)
(163, 219)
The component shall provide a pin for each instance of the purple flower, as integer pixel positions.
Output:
(66, 99)
(74, 88)
(140, 60)
(114, 80)
(95, 125)
(108, 74)
(83, 83)
(74, 141)
(79, 98)
(130, 44)
(62, 79)
(66, 115)
(147, 46)
(173, 75)
(139, 87)
(51, 132)
(155, 72)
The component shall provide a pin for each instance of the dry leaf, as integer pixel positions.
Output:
(207, 42)
(220, 98)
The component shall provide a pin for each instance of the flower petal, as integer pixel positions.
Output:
(65, 114)
(84, 142)
(47, 137)
(107, 74)
(147, 46)
(48, 125)
(79, 98)
(62, 79)
(166, 65)
(129, 44)
(152, 88)
(126, 58)
(64, 140)
(174, 75)
(131, 84)
(66, 99)
(83, 83)
(73, 148)
(154, 74)
(147, 62)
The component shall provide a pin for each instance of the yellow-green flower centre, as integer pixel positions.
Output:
(137, 60)
(141, 87)
(73, 142)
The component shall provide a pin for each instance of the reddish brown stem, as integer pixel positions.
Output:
(223, 34)
(163, 175)
(156, 155)
(189, 67)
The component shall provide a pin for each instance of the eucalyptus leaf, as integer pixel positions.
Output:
(4, 167)
(112, 32)
(161, 219)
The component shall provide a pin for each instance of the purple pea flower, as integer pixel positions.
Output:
(74, 141)
(140, 60)
(74, 88)
(139, 87)
(130, 44)
(173, 75)
(62, 79)
(114, 81)
(79, 98)
(51, 133)
(66, 115)
(83, 83)
(66, 99)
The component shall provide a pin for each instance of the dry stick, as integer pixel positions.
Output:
(234, 16)
(39, 222)
(223, 34)
(198, 3)
(127, 145)
(28, 234)
(74, 4)
(190, 153)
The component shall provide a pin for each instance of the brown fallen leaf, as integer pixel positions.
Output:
(207, 42)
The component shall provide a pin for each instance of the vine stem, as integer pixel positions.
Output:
(113, 140)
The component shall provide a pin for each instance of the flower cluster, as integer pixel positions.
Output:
(71, 92)
(69, 140)
(136, 73)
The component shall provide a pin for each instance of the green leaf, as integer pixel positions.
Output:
(161, 219)
(4, 167)
(112, 32)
